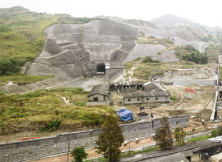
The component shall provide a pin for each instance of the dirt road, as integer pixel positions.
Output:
(92, 152)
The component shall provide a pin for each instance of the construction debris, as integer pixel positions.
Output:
(190, 96)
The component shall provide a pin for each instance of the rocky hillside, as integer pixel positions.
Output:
(75, 47)
(171, 20)
(180, 34)
(73, 50)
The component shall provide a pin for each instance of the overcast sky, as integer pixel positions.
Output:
(205, 12)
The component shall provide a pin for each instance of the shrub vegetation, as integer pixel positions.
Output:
(48, 108)
(189, 53)
(78, 154)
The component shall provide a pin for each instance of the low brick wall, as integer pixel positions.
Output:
(42, 147)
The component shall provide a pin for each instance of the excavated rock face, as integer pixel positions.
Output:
(74, 50)
(80, 50)
(179, 34)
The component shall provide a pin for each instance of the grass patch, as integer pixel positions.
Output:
(154, 148)
(45, 106)
(1, 124)
(22, 79)
(146, 40)
(153, 40)
(146, 69)
(173, 98)
(200, 138)
(129, 65)
(220, 73)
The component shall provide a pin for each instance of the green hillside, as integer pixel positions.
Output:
(22, 36)
(43, 106)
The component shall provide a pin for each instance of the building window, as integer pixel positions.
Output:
(166, 98)
(129, 100)
(156, 98)
(95, 99)
(138, 99)
(147, 99)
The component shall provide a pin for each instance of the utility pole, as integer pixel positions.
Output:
(151, 117)
(68, 144)
(129, 143)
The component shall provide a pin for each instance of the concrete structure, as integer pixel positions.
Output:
(152, 92)
(190, 152)
(98, 95)
(107, 70)
(49, 146)
(126, 86)
(200, 82)
(217, 158)
(146, 97)
(220, 60)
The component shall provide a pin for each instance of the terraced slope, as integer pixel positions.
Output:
(179, 34)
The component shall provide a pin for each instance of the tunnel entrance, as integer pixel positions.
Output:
(101, 68)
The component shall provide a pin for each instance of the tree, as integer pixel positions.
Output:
(180, 134)
(110, 139)
(78, 153)
(163, 135)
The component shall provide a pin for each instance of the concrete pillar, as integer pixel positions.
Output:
(107, 67)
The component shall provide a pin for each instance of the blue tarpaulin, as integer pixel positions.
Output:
(125, 114)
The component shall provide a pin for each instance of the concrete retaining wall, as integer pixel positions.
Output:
(96, 103)
(37, 148)
(197, 82)
(197, 135)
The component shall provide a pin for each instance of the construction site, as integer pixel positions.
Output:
(106, 59)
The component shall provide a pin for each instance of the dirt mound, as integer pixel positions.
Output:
(189, 90)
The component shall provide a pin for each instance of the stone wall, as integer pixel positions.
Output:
(197, 82)
(49, 146)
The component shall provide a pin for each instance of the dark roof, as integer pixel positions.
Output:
(178, 157)
(152, 86)
(175, 153)
(127, 83)
(147, 94)
(99, 89)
